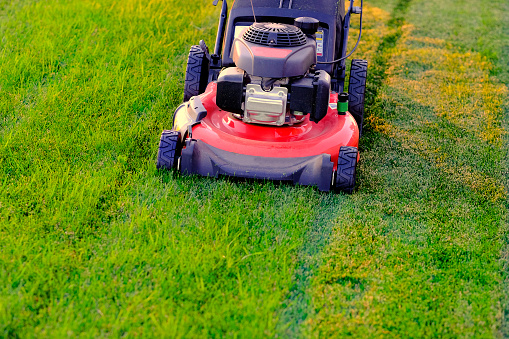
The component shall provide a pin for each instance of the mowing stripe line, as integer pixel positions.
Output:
(298, 305)
(504, 328)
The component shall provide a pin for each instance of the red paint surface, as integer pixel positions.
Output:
(271, 52)
(221, 130)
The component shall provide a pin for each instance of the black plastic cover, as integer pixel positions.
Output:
(330, 13)
(325, 6)
(230, 90)
(321, 82)
(203, 159)
(302, 95)
(311, 95)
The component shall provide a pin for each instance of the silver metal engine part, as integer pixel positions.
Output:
(265, 107)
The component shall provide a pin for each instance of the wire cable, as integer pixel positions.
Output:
(354, 48)
(252, 8)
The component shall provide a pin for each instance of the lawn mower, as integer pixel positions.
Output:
(269, 103)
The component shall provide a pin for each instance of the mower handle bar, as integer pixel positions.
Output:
(220, 30)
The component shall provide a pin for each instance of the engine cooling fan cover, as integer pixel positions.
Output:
(275, 34)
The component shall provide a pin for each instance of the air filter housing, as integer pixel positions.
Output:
(275, 35)
(274, 50)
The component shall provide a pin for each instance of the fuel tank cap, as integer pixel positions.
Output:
(307, 24)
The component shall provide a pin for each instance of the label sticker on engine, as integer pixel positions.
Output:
(319, 43)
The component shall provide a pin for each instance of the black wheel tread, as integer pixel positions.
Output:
(357, 90)
(169, 149)
(347, 163)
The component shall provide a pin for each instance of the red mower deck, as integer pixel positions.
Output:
(221, 130)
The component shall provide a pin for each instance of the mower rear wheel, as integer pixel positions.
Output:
(356, 90)
(197, 72)
(345, 174)
(169, 150)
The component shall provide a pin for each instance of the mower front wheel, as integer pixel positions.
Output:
(345, 174)
(169, 150)
(356, 90)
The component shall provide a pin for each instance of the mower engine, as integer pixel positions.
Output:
(273, 82)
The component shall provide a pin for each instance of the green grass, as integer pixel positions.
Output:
(95, 242)
(417, 251)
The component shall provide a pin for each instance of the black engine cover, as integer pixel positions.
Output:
(311, 95)
(230, 90)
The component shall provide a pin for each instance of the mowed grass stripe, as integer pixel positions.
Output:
(95, 241)
(298, 306)
(298, 310)
(417, 250)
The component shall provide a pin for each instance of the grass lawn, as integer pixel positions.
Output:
(94, 241)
